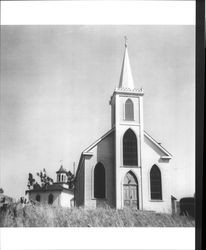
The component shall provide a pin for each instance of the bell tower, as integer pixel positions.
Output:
(127, 119)
(61, 175)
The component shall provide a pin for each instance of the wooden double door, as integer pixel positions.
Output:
(130, 190)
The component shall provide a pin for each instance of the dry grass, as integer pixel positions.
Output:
(47, 216)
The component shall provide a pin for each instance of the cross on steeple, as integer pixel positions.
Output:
(126, 79)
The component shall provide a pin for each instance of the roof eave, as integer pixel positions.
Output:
(168, 155)
(87, 150)
(88, 153)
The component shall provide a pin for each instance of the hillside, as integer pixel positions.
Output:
(17, 215)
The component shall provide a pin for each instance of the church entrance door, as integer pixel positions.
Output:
(130, 189)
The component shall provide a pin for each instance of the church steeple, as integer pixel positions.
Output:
(127, 100)
(62, 175)
(126, 79)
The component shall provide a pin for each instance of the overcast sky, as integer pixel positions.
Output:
(56, 83)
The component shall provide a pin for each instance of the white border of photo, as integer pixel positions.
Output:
(97, 238)
(98, 12)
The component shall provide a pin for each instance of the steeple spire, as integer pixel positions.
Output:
(125, 41)
(126, 79)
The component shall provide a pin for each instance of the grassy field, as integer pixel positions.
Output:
(47, 216)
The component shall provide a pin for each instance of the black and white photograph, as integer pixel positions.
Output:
(97, 126)
(98, 120)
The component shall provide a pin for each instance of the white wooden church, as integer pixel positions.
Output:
(126, 167)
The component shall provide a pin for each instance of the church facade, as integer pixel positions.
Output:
(126, 167)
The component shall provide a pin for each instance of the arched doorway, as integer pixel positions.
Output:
(130, 191)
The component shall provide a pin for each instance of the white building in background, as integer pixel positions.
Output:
(57, 194)
(126, 167)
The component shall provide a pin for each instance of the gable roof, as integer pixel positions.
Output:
(52, 187)
(158, 145)
(61, 170)
(86, 151)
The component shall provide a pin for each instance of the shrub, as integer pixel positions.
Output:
(187, 206)
(38, 215)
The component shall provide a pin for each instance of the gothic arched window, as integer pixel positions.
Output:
(129, 110)
(155, 183)
(38, 197)
(99, 181)
(129, 148)
(50, 199)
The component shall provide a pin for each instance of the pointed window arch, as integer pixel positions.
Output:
(130, 148)
(155, 183)
(129, 110)
(130, 179)
(51, 199)
(99, 181)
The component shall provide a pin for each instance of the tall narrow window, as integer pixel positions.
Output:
(38, 198)
(129, 110)
(50, 199)
(155, 183)
(129, 148)
(99, 181)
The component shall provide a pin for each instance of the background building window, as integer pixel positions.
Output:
(51, 198)
(38, 198)
(129, 110)
(155, 183)
(99, 181)
(129, 148)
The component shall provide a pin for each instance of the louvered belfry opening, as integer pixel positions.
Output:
(155, 183)
(130, 148)
(129, 110)
(99, 181)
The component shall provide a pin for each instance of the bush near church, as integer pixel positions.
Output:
(41, 215)
(187, 206)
